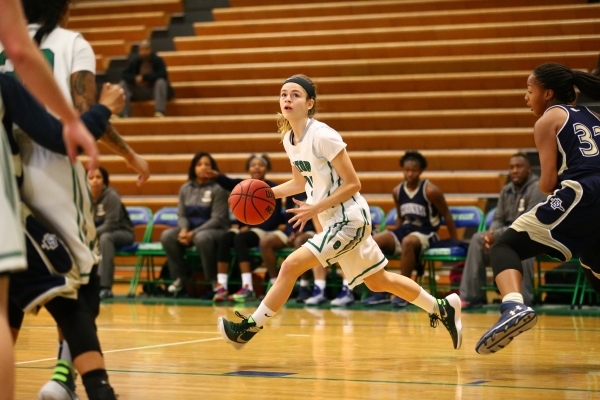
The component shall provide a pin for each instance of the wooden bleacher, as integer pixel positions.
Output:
(443, 76)
(112, 27)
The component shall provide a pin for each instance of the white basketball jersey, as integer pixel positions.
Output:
(312, 155)
(12, 244)
(54, 189)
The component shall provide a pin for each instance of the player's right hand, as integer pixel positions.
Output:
(76, 138)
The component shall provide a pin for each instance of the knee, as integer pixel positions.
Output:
(160, 83)
(169, 236)
(269, 242)
(105, 239)
(375, 282)
(240, 242)
(289, 269)
(410, 243)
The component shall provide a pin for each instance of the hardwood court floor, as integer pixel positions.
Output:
(175, 352)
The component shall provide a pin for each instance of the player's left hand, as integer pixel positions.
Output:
(113, 97)
(139, 165)
(304, 212)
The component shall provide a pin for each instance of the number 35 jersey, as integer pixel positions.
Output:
(578, 143)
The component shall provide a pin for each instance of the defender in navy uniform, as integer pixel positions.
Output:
(420, 205)
(567, 224)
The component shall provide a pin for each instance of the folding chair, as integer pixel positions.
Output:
(141, 218)
(166, 217)
(580, 283)
(378, 219)
(464, 217)
(489, 218)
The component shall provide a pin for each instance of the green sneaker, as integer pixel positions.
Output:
(449, 313)
(238, 334)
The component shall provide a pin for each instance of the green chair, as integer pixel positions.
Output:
(166, 216)
(464, 217)
(580, 283)
(141, 218)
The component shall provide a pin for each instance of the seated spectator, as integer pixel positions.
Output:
(113, 226)
(145, 78)
(290, 237)
(420, 206)
(517, 197)
(203, 219)
(243, 238)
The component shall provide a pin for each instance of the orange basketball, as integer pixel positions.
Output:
(252, 201)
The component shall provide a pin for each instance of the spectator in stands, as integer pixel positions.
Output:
(113, 226)
(145, 78)
(203, 219)
(420, 206)
(517, 197)
(243, 238)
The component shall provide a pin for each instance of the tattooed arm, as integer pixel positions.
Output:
(83, 90)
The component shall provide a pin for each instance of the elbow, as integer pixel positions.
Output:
(17, 54)
(547, 187)
(356, 186)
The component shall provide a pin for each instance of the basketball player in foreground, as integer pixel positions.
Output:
(34, 70)
(321, 167)
(567, 224)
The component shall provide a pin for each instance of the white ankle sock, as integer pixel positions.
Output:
(222, 280)
(262, 314)
(247, 280)
(320, 283)
(304, 282)
(425, 301)
(64, 352)
(514, 296)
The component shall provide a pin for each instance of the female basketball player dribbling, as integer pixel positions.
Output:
(321, 167)
(567, 224)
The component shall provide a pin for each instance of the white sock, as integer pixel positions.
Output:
(425, 301)
(304, 282)
(320, 283)
(514, 296)
(247, 280)
(262, 314)
(272, 281)
(345, 283)
(64, 352)
(222, 279)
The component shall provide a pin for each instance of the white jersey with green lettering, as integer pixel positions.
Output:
(312, 156)
(346, 236)
(56, 190)
(12, 244)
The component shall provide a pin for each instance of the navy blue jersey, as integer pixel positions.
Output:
(417, 210)
(578, 144)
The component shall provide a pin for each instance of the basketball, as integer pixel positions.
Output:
(252, 201)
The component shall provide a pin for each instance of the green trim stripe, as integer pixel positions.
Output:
(77, 202)
(320, 248)
(354, 242)
(366, 270)
(11, 254)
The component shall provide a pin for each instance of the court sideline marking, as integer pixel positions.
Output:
(131, 349)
